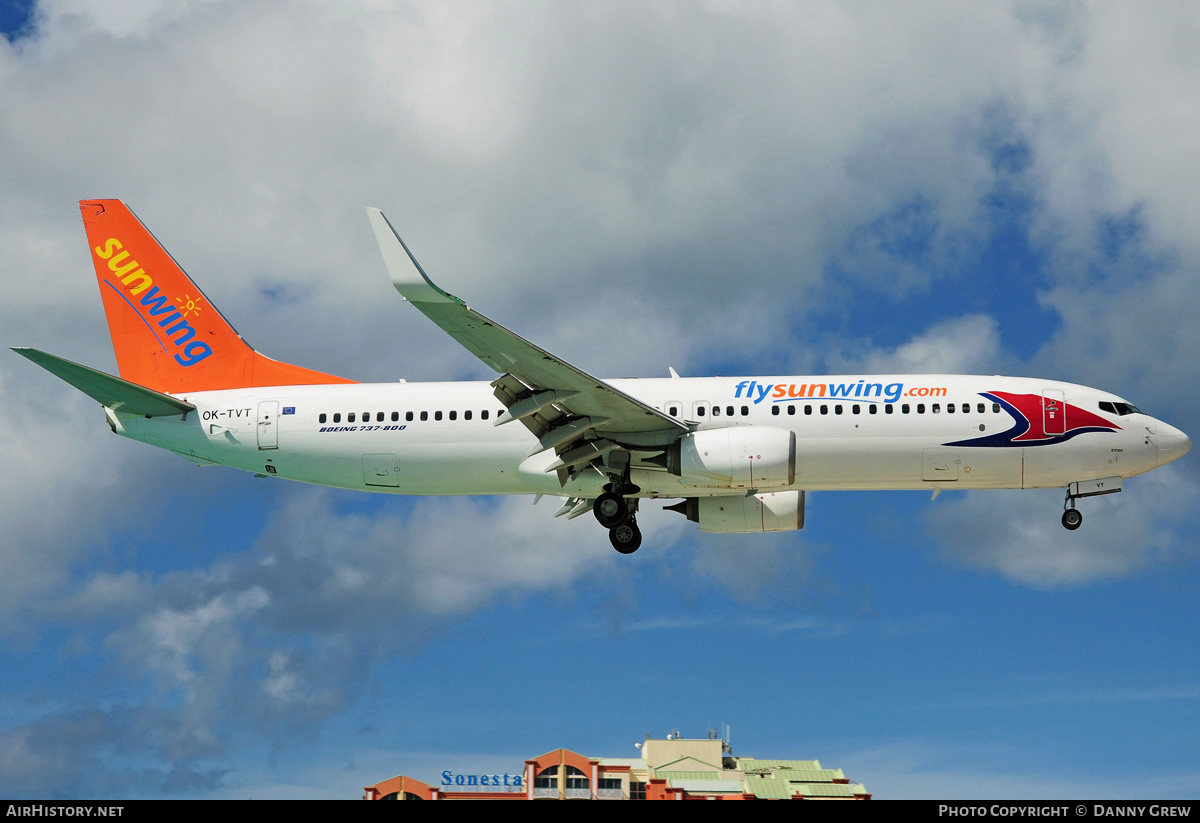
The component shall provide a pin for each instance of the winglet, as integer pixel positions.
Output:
(407, 275)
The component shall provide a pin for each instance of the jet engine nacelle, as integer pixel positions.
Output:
(738, 457)
(767, 512)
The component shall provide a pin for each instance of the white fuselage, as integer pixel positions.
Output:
(852, 432)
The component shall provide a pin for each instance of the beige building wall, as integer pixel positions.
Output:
(706, 753)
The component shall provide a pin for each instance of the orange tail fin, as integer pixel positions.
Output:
(167, 335)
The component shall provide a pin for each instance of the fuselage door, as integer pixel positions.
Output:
(268, 424)
(380, 470)
(939, 464)
(1054, 412)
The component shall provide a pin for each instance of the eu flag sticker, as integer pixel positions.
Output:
(289, 409)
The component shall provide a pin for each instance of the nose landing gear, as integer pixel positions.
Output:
(1072, 518)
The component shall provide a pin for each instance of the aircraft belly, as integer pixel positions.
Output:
(902, 463)
(475, 468)
(858, 463)
(989, 468)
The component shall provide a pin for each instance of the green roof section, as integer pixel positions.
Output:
(751, 764)
(809, 775)
(688, 775)
(823, 789)
(767, 788)
(707, 786)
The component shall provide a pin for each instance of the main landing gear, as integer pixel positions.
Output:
(627, 537)
(615, 512)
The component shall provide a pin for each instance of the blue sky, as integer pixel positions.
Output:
(778, 189)
(15, 18)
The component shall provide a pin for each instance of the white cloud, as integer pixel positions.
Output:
(959, 345)
(1018, 533)
(633, 187)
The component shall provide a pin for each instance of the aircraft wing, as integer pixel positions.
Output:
(558, 402)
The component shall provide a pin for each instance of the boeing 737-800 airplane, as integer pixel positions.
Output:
(739, 452)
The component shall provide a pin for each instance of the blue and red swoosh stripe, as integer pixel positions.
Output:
(1028, 425)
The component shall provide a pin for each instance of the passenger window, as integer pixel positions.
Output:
(483, 414)
(824, 410)
(949, 408)
(967, 408)
(322, 418)
(995, 408)
(378, 417)
(774, 410)
(887, 408)
(920, 408)
(745, 410)
(673, 411)
(408, 416)
(395, 416)
(729, 410)
(437, 415)
(904, 408)
(699, 411)
(981, 408)
(467, 414)
(424, 415)
(937, 407)
(337, 417)
(791, 410)
(716, 411)
(808, 409)
(837, 409)
(453, 415)
(856, 408)
(366, 417)
(350, 417)
(873, 409)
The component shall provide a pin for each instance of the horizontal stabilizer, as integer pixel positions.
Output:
(117, 394)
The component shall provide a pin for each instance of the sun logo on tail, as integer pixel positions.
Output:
(187, 305)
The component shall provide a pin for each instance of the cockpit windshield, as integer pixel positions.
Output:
(1121, 409)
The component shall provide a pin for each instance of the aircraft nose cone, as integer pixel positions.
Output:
(1172, 444)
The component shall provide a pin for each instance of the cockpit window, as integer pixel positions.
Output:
(1121, 409)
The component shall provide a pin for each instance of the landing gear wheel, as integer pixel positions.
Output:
(627, 537)
(1072, 519)
(611, 510)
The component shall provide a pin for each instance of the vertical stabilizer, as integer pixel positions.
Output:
(166, 333)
